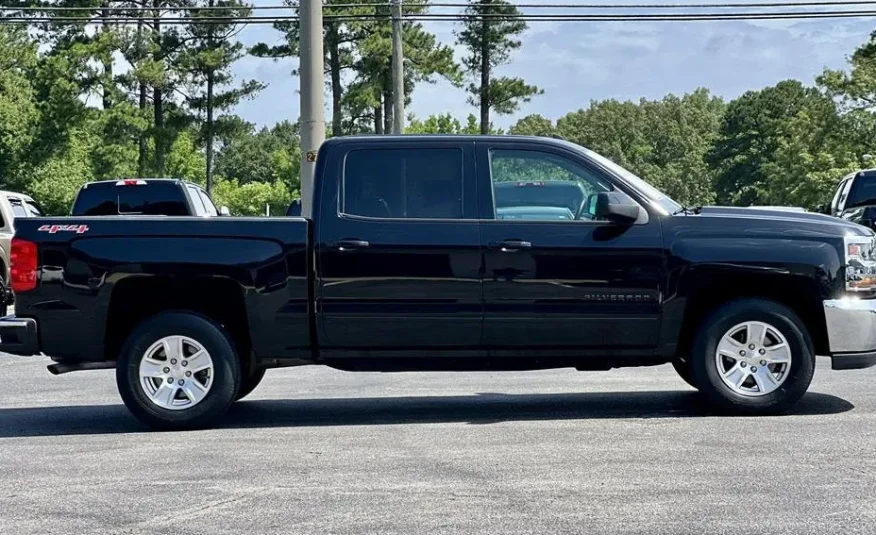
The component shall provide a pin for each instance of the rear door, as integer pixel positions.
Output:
(563, 283)
(398, 247)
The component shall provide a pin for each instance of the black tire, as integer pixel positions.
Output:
(683, 369)
(225, 379)
(704, 368)
(250, 382)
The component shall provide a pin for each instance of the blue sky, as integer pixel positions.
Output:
(575, 62)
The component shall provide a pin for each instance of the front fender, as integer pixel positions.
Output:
(702, 273)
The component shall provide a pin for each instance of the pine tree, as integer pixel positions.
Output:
(488, 34)
(210, 52)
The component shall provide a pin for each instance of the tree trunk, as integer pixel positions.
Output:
(387, 107)
(211, 75)
(335, 76)
(158, 97)
(141, 157)
(378, 119)
(210, 83)
(107, 67)
(485, 71)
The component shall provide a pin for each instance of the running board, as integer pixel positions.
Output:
(59, 368)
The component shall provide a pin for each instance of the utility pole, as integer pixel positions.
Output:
(312, 85)
(398, 70)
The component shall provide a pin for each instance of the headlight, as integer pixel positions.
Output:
(860, 263)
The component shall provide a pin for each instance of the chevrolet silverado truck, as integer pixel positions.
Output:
(401, 264)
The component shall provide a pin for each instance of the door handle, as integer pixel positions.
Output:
(510, 246)
(351, 245)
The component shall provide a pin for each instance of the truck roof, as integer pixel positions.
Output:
(117, 181)
(446, 137)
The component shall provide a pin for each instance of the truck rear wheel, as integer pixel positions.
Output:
(177, 371)
(753, 356)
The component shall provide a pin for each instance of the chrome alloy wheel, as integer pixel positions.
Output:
(753, 358)
(176, 373)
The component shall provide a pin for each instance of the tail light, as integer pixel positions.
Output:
(23, 265)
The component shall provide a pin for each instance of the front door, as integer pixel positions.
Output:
(399, 262)
(556, 277)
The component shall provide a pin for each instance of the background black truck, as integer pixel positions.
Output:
(404, 265)
(854, 198)
(151, 196)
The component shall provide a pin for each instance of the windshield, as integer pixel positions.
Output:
(863, 191)
(657, 197)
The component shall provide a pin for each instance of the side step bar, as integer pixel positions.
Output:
(62, 367)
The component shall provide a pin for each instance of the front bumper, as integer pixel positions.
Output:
(18, 336)
(851, 332)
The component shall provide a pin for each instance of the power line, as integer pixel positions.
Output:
(547, 18)
(329, 7)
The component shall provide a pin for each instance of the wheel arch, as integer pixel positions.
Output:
(711, 288)
(134, 299)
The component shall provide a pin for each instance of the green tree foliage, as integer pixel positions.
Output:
(664, 141)
(446, 124)
(780, 145)
(262, 156)
(80, 102)
(19, 109)
(489, 37)
(534, 125)
(251, 199)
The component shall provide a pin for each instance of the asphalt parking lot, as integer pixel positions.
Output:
(321, 451)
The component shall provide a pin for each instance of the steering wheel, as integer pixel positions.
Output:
(583, 212)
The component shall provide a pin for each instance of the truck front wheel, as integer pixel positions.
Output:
(250, 382)
(178, 371)
(753, 356)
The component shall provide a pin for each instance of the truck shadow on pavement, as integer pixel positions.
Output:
(484, 408)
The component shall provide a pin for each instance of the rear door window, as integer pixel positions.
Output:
(421, 183)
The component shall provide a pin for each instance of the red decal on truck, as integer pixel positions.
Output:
(54, 229)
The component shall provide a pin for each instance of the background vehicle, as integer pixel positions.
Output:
(154, 196)
(405, 265)
(534, 193)
(294, 209)
(12, 206)
(854, 198)
(546, 213)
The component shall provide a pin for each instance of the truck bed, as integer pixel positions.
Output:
(95, 271)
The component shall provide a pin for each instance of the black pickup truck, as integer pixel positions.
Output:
(854, 198)
(402, 264)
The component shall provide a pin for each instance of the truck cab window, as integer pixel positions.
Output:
(197, 203)
(540, 186)
(403, 183)
(18, 209)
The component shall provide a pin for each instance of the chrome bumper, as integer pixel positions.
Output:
(851, 332)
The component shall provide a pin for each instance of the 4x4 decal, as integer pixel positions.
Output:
(54, 229)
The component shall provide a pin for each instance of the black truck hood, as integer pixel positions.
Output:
(802, 220)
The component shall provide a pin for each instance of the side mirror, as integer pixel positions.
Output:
(617, 207)
(823, 209)
(223, 210)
